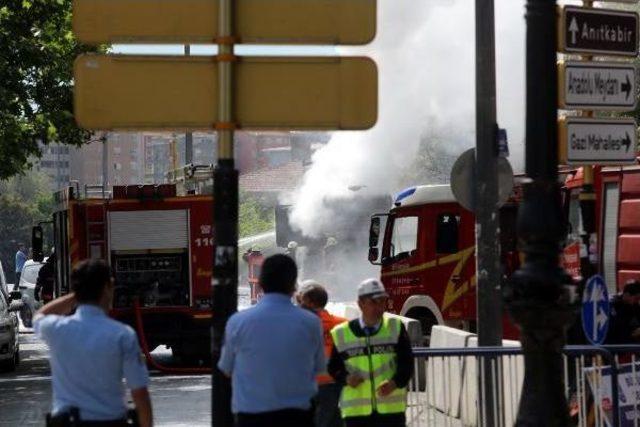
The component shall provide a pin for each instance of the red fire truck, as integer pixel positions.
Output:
(615, 248)
(427, 252)
(160, 248)
(427, 255)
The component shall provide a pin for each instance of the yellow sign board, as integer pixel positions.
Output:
(180, 93)
(347, 22)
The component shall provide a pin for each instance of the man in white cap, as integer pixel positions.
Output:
(372, 358)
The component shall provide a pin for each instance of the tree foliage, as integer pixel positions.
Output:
(37, 50)
(255, 217)
(25, 200)
(433, 161)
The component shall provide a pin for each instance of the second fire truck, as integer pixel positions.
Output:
(159, 245)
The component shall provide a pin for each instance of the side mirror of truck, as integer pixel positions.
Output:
(373, 255)
(374, 233)
(37, 242)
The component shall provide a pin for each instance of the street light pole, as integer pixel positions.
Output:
(224, 279)
(539, 297)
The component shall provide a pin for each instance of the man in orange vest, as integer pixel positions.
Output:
(314, 297)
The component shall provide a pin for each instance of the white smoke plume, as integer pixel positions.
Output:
(425, 51)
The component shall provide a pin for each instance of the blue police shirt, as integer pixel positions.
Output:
(272, 352)
(90, 354)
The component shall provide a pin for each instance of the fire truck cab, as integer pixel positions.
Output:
(427, 255)
(427, 252)
(159, 246)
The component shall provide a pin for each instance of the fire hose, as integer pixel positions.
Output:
(150, 360)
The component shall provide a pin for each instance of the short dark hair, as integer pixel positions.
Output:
(315, 293)
(632, 287)
(88, 280)
(279, 274)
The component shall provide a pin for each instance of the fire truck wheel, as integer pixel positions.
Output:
(427, 321)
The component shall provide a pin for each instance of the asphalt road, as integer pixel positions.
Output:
(25, 395)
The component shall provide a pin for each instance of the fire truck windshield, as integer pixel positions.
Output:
(404, 237)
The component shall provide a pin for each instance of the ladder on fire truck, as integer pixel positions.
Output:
(192, 179)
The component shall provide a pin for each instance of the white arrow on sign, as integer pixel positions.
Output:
(597, 141)
(597, 85)
(601, 319)
(596, 295)
(573, 28)
(599, 316)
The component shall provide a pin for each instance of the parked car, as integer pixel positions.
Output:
(4, 286)
(9, 330)
(27, 287)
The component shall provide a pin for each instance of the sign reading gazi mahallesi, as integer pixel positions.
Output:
(594, 141)
(598, 31)
(597, 85)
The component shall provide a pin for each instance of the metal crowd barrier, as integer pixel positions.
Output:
(445, 387)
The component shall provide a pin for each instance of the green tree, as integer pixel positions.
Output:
(37, 50)
(25, 200)
(255, 217)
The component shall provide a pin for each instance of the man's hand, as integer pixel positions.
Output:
(354, 380)
(386, 388)
(61, 306)
(636, 334)
(142, 400)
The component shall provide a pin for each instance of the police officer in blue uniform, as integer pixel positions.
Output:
(90, 354)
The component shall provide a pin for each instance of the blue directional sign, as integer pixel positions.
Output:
(595, 310)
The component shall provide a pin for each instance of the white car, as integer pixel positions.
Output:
(9, 348)
(9, 328)
(27, 286)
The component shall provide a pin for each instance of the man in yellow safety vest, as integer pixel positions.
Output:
(372, 357)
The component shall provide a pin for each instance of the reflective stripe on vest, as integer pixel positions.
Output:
(367, 357)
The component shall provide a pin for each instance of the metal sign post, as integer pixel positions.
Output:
(188, 136)
(489, 293)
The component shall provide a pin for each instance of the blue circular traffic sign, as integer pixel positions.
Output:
(595, 310)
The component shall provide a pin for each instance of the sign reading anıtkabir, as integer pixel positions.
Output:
(597, 85)
(595, 141)
(608, 32)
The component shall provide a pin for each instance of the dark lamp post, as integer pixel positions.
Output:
(540, 297)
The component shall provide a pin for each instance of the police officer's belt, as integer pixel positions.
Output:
(72, 419)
